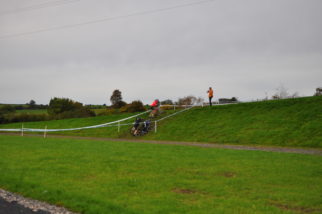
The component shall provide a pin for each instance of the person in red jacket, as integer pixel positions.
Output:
(155, 108)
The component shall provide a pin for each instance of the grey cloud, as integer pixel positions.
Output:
(242, 48)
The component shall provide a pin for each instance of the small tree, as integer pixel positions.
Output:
(188, 100)
(200, 101)
(318, 91)
(32, 104)
(116, 99)
(234, 99)
(282, 93)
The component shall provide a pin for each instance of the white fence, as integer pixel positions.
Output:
(111, 124)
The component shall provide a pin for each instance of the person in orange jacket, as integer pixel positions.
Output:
(210, 95)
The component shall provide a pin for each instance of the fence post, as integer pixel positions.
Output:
(45, 132)
(174, 107)
(22, 130)
(155, 126)
(118, 127)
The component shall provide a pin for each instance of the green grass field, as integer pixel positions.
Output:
(115, 177)
(291, 122)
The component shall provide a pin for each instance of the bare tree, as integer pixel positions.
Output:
(281, 93)
(318, 91)
(200, 101)
(188, 100)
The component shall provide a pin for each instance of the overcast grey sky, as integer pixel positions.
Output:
(241, 48)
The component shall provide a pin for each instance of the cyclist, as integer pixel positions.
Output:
(155, 108)
(137, 125)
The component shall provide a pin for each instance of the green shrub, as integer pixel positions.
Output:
(135, 106)
(108, 111)
(60, 108)
(83, 112)
(5, 109)
(23, 117)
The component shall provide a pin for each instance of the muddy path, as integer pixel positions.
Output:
(310, 151)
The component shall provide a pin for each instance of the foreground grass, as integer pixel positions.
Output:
(113, 177)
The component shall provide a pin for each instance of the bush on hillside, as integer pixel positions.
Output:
(135, 106)
(108, 111)
(83, 112)
(5, 109)
(23, 117)
(60, 108)
(167, 107)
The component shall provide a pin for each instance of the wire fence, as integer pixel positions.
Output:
(116, 123)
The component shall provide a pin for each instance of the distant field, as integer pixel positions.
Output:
(113, 177)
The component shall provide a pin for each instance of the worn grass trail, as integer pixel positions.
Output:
(120, 177)
(312, 151)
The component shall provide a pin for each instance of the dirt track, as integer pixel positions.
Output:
(206, 145)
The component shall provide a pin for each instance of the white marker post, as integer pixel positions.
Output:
(155, 126)
(118, 127)
(45, 132)
(22, 130)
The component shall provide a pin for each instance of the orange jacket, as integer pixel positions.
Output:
(210, 93)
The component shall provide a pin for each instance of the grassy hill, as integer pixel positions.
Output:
(289, 122)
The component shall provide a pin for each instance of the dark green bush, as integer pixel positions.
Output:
(6, 109)
(60, 108)
(135, 106)
(23, 117)
(60, 105)
(83, 112)
(108, 111)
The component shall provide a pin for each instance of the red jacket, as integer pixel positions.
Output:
(155, 103)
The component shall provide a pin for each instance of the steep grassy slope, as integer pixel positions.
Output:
(290, 122)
